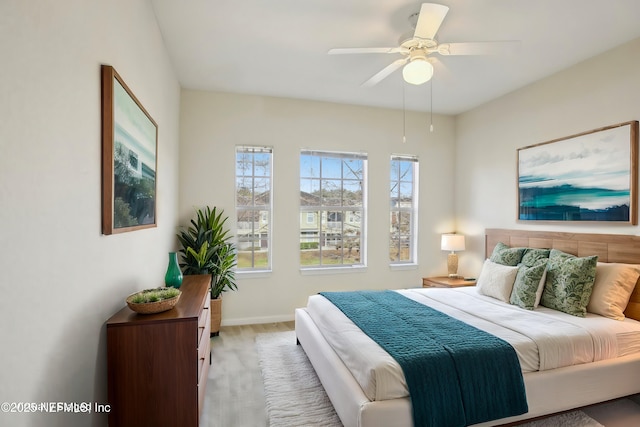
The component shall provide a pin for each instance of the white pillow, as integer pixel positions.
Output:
(612, 289)
(540, 289)
(496, 280)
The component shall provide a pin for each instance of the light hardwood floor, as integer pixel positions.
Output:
(235, 392)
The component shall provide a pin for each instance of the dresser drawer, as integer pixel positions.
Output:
(204, 325)
(204, 345)
(203, 360)
(202, 385)
(205, 315)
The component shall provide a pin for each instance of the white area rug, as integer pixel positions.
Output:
(295, 397)
(568, 419)
(293, 393)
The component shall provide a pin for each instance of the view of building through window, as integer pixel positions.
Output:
(253, 207)
(403, 230)
(332, 208)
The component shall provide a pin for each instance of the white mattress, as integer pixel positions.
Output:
(543, 338)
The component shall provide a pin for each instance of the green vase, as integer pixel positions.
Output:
(173, 278)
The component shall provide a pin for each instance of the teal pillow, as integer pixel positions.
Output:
(503, 254)
(569, 282)
(533, 255)
(527, 283)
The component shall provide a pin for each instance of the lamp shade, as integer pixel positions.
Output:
(452, 242)
(418, 71)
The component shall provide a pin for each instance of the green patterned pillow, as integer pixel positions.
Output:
(503, 254)
(527, 284)
(533, 255)
(569, 282)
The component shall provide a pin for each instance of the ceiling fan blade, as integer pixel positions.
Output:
(382, 74)
(429, 20)
(348, 50)
(479, 48)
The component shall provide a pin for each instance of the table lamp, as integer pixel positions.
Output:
(452, 243)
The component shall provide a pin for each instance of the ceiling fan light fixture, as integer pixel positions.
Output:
(418, 71)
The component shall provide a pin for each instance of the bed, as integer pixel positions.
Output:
(548, 391)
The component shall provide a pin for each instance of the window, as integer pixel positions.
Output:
(332, 191)
(404, 207)
(253, 208)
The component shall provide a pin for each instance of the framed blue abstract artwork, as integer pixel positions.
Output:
(591, 176)
(129, 158)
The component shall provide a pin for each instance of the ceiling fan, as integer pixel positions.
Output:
(416, 48)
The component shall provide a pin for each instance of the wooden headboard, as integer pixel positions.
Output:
(609, 248)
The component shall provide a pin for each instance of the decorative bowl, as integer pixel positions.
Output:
(152, 301)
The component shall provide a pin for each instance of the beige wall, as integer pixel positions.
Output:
(598, 92)
(212, 124)
(60, 278)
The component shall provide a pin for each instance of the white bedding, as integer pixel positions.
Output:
(543, 339)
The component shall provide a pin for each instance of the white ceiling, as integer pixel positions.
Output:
(279, 47)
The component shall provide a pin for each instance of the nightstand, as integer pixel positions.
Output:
(446, 282)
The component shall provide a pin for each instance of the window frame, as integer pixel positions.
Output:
(255, 210)
(398, 209)
(324, 211)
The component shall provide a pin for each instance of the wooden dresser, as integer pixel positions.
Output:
(158, 363)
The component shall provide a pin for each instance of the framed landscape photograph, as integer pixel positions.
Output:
(129, 153)
(591, 176)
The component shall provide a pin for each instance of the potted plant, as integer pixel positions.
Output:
(207, 249)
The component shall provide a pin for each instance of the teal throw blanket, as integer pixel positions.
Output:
(457, 375)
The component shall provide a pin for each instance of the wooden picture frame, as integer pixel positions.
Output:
(129, 158)
(590, 176)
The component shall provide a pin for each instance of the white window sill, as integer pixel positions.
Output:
(407, 266)
(253, 274)
(333, 270)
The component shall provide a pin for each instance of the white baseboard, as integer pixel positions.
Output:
(257, 320)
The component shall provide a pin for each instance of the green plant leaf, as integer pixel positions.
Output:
(207, 249)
